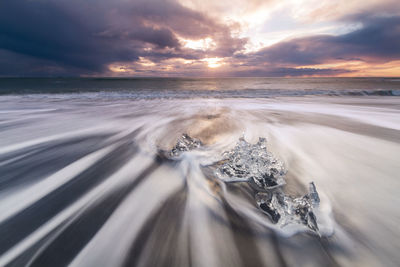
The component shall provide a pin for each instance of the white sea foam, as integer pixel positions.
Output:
(83, 156)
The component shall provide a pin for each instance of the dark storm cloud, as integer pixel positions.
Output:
(12, 63)
(88, 35)
(51, 37)
(377, 40)
(47, 31)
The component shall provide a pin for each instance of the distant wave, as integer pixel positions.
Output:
(165, 88)
(188, 94)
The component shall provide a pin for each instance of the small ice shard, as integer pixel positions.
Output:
(269, 209)
(313, 194)
(251, 163)
(284, 210)
(312, 222)
(266, 204)
(184, 143)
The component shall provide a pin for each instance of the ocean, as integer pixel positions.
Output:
(199, 171)
(144, 88)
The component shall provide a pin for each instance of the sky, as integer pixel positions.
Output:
(200, 38)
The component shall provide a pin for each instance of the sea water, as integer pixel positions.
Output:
(87, 177)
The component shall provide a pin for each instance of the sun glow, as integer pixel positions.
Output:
(361, 68)
(201, 44)
(146, 62)
(117, 68)
(213, 62)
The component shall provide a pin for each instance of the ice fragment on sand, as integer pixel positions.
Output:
(184, 143)
(284, 209)
(313, 194)
(252, 162)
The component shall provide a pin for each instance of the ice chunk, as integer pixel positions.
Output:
(255, 165)
(184, 143)
(252, 162)
(269, 206)
(284, 210)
